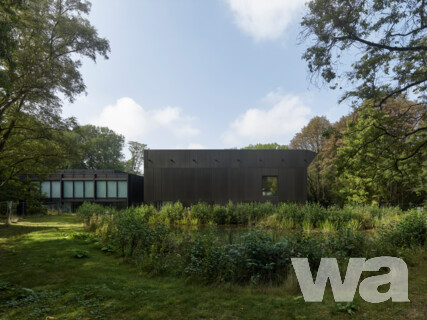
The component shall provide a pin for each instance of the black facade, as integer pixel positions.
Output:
(218, 176)
(67, 189)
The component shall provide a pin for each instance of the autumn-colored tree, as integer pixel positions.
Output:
(312, 138)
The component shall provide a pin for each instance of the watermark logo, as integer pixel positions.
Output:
(344, 291)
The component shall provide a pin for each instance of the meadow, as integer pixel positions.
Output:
(142, 263)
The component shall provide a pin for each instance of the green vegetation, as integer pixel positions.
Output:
(263, 215)
(139, 263)
(142, 236)
(40, 277)
(375, 51)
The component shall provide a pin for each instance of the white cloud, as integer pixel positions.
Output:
(284, 117)
(137, 123)
(264, 19)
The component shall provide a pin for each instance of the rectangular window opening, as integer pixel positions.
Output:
(269, 186)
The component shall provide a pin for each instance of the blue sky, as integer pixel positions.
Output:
(201, 74)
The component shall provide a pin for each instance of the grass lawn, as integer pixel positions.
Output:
(39, 277)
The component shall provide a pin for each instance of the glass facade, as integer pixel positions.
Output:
(101, 189)
(78, 189)
(45, 189)
(269, 186)
(85, 189)
(56, 189)
(122, 189)
(89, 189)
(68, 189)
(112, 189)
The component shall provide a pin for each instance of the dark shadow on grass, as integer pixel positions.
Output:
(19, 230)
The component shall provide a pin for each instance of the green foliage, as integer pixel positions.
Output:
(385, 40)
(32, 147)
(172, 212)
(409, 232)
(219, 214)
(98, 148)
(350, 308)
(202, 212)
(80, 254)
(312, 138)
(87, 210)
(35, 77)
(110, 289)
(266, 146)
(136, 149)
(377, 167)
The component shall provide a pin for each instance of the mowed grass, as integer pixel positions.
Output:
(39, 277)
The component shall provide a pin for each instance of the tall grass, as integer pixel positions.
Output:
(266, 215)
(143, 236)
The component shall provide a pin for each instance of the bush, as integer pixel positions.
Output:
(407, 233)
(219, 214)
(202, 212)
(171, 212)
(87, 210)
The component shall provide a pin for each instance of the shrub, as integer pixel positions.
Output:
(314, 213)
(204, 258)
(87, 210)
(231, 213)
(172, 212)
(202, 212)
(346, 243)
(147, 212)
(290, 210)
(219, 214)
(409, 232)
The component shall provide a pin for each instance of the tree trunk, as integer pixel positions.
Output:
(9, 213)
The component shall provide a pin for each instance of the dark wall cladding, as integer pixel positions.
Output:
(217, 176)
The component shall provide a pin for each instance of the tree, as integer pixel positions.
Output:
(266, 146)
(51, 35)
(377, 167)
(384, 44)
(7, 41)
(389, 39)
(98, 148)
(33, 148)
(134, 164)
(312, 138)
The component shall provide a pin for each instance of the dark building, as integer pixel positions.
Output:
(217, 176)
(67, 189)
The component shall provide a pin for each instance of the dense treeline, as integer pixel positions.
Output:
(377, 154)
(358, 162)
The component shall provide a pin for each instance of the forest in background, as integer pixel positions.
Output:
(377, 154)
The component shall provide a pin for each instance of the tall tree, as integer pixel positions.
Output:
(98, 148)
(51, 36)
(134, 164)
(8, 42)
(34, 148)
(382, 168)
(385, 45)
(312, 138)
(387, 40)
